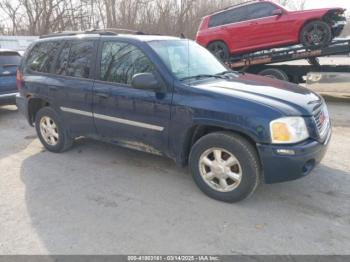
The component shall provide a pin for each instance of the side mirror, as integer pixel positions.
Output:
(146, 81)
(277, 12)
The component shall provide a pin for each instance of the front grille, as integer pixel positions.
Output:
(322, 121)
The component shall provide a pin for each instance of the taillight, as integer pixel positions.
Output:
(18, 80)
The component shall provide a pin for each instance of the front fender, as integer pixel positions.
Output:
(255, 134)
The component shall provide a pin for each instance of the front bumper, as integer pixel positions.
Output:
(338, 28)
(281, 168)
(8, 99)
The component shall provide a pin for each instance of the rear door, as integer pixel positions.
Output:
(9, 61)
(131, 117)
(72, 84)
(236, 28)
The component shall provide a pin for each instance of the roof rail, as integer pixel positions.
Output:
(65, 33)
(106, 31)
(117, 30)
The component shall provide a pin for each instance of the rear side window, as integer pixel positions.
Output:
(75, 59)
(260, 10)
(120, 61)
(42, 56)
(228, 17)
(9, 58)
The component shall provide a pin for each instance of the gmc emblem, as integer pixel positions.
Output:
(322, 118)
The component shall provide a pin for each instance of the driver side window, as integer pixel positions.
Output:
(120, 61)
(260, 10)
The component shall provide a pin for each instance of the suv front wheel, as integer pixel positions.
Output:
(51, 131)
(225, 166)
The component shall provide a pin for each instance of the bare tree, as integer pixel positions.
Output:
(294, 4)
(11, 9)
(174, 17)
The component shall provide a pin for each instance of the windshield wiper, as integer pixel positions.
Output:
(202, 76)
(227, 72)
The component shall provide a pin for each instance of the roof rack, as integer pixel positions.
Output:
(106, 31)
(116, 30)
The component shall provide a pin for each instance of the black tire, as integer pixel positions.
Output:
(242, 150)
(220, 50)
(316, 34)
(64, 141)
(275, 74)
(314, 61)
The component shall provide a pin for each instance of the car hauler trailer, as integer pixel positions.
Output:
(271, 62)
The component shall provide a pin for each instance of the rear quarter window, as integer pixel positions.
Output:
(42, 56)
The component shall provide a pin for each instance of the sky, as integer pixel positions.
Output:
(328, 3)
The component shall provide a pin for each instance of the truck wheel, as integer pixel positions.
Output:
(225, 166)
(219, 49)
(316, 33)
(275, 74)
(51, 131)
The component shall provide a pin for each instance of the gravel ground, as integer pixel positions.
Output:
(102, 199)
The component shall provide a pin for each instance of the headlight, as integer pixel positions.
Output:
(288, 130)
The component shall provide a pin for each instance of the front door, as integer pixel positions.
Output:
(131, 117)
(267, 29)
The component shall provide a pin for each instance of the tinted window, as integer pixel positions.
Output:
(75, 59)
(230, 16)
(120, 61)
(260, 10)
(9, 59)
(217, 20)
(42, 56)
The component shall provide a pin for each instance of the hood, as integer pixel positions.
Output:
(289, 99)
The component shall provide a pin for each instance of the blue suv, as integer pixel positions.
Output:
(172, 97)
(9, 61)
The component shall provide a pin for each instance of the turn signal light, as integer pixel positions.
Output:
(280, 132)
(18, 80)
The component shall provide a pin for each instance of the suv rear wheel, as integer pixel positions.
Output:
(51, 131)
(220, 50)
(225, 166)
(316, 33)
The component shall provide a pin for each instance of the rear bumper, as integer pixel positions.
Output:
(281, 168)
(8, 99)
(22, 105)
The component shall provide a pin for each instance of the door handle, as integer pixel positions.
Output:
(102, 95)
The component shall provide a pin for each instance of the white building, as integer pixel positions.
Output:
(18, 43)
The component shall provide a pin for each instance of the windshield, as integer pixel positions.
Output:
(186, 59)
(9, 59)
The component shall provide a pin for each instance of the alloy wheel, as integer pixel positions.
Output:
(220, 169)
(49, 130)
